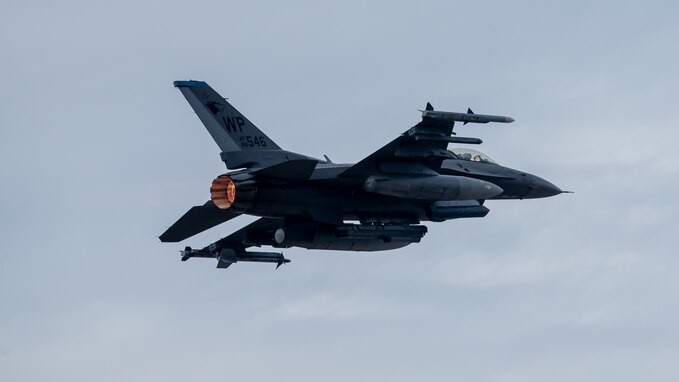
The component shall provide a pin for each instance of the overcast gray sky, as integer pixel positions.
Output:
(99, 154)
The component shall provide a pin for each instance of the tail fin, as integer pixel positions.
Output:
(228, 127)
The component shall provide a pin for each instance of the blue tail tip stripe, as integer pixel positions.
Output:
(189, 83)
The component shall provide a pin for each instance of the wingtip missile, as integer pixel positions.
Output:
(468, 117)
(278, 264)
(469, 111)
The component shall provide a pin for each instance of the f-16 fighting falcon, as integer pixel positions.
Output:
(376, 204)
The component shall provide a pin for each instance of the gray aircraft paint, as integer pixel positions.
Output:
(304, 203)
(230, 129)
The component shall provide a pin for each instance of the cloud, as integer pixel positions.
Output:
(99, 153)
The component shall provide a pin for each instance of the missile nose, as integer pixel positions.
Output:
(541, 188)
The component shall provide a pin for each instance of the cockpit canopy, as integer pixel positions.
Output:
(471, 155)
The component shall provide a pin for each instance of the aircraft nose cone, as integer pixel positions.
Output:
(542, 189)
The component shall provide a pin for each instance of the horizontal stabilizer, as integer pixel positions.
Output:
(195, 221)
(296, 169)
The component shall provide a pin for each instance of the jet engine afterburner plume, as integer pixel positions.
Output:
(223, 192)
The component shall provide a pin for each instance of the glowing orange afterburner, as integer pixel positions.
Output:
(223, 192)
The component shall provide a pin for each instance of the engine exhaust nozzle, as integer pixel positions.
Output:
(223, 192)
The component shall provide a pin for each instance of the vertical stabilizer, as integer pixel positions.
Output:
(227, 126)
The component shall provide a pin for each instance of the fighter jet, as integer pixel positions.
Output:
(376, 204)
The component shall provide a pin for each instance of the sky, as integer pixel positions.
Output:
(99, 154)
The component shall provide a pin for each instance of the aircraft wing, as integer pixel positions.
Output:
(422, 147)
(232, 248)
(241, 238)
